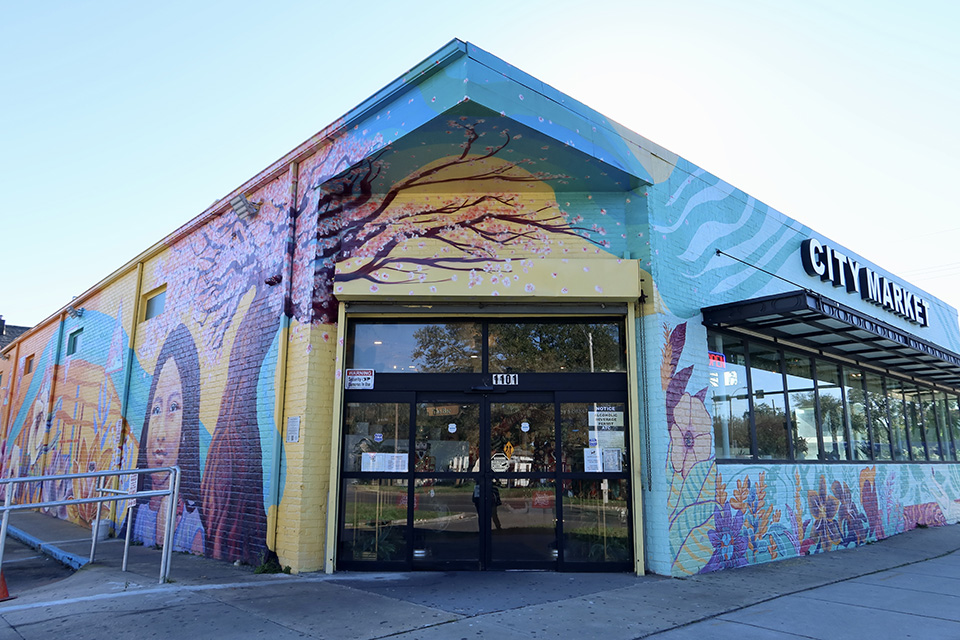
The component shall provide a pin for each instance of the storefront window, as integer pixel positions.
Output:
(830, 399)
(914, 421)
(448, 437)
(376, 437)
(837, 412)
(943, 416)
(803, 406)
(595, 527)
(856, 413)
(953, 408)
(592, 437)
(436, 347)
(524, 433)
(876, 402)
(929, 411)
(524, 515)
(898, 422)
(728, 397)
(445, 521)
(375, 520)
(556, 347)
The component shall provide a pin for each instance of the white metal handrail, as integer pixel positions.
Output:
(172, 490)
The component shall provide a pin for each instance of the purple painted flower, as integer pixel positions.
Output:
(729, 543)
(852, 522)
(825, 532)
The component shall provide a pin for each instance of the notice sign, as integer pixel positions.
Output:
(359, 379)
(612, 460)
(499, 462)
(293, 429)
(385, 462)
(592, 462)
(605, 417)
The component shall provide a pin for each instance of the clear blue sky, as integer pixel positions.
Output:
(120, 121)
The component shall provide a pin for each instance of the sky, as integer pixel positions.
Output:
(121, 121)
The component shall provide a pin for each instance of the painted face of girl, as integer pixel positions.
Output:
(166, 418)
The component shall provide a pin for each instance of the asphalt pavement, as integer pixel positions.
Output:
(902, 587)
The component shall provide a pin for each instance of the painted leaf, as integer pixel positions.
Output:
(695, 549)
(677, 339)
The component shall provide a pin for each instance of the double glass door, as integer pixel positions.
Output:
(485, 480)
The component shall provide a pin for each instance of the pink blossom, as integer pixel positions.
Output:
(689, 434)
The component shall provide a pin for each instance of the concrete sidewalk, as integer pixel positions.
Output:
(905, 586)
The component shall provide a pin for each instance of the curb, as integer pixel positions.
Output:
(65, 558)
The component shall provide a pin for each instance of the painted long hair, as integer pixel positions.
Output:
(232, 509)
(180, 347)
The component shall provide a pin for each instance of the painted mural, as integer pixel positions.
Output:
(431, 194)
(203, 373)
(732, 515)
(483, 220)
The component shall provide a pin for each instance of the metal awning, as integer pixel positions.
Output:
(813, 321)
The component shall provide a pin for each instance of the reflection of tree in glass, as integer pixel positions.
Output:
(506, 424)
(555, 347)
(857, 402)
(771, 441)
(739, 434)
(831, 424)
(447, 348)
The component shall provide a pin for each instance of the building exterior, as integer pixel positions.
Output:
(475, 324)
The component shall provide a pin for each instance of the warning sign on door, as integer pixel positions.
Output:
(359, 379)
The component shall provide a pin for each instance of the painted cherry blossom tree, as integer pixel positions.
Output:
(466, 209)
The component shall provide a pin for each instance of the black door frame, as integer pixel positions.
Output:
(572, 388)
(485, 388)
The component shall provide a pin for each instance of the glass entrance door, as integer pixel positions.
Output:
(447, 531)
(486, 460)
(495, 481)
(521, 480)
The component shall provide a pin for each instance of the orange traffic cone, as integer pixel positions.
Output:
(4, 594)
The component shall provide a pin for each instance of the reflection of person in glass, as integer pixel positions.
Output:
(494, 503)
(171, 437)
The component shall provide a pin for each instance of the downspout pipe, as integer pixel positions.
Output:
(53, 389)
(275, 462)
(127, 376)
(645, 407)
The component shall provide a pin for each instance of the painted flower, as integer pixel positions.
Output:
(853, 524)
(825, 532)
(689, 434)
(729, 543)
(870, 501)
